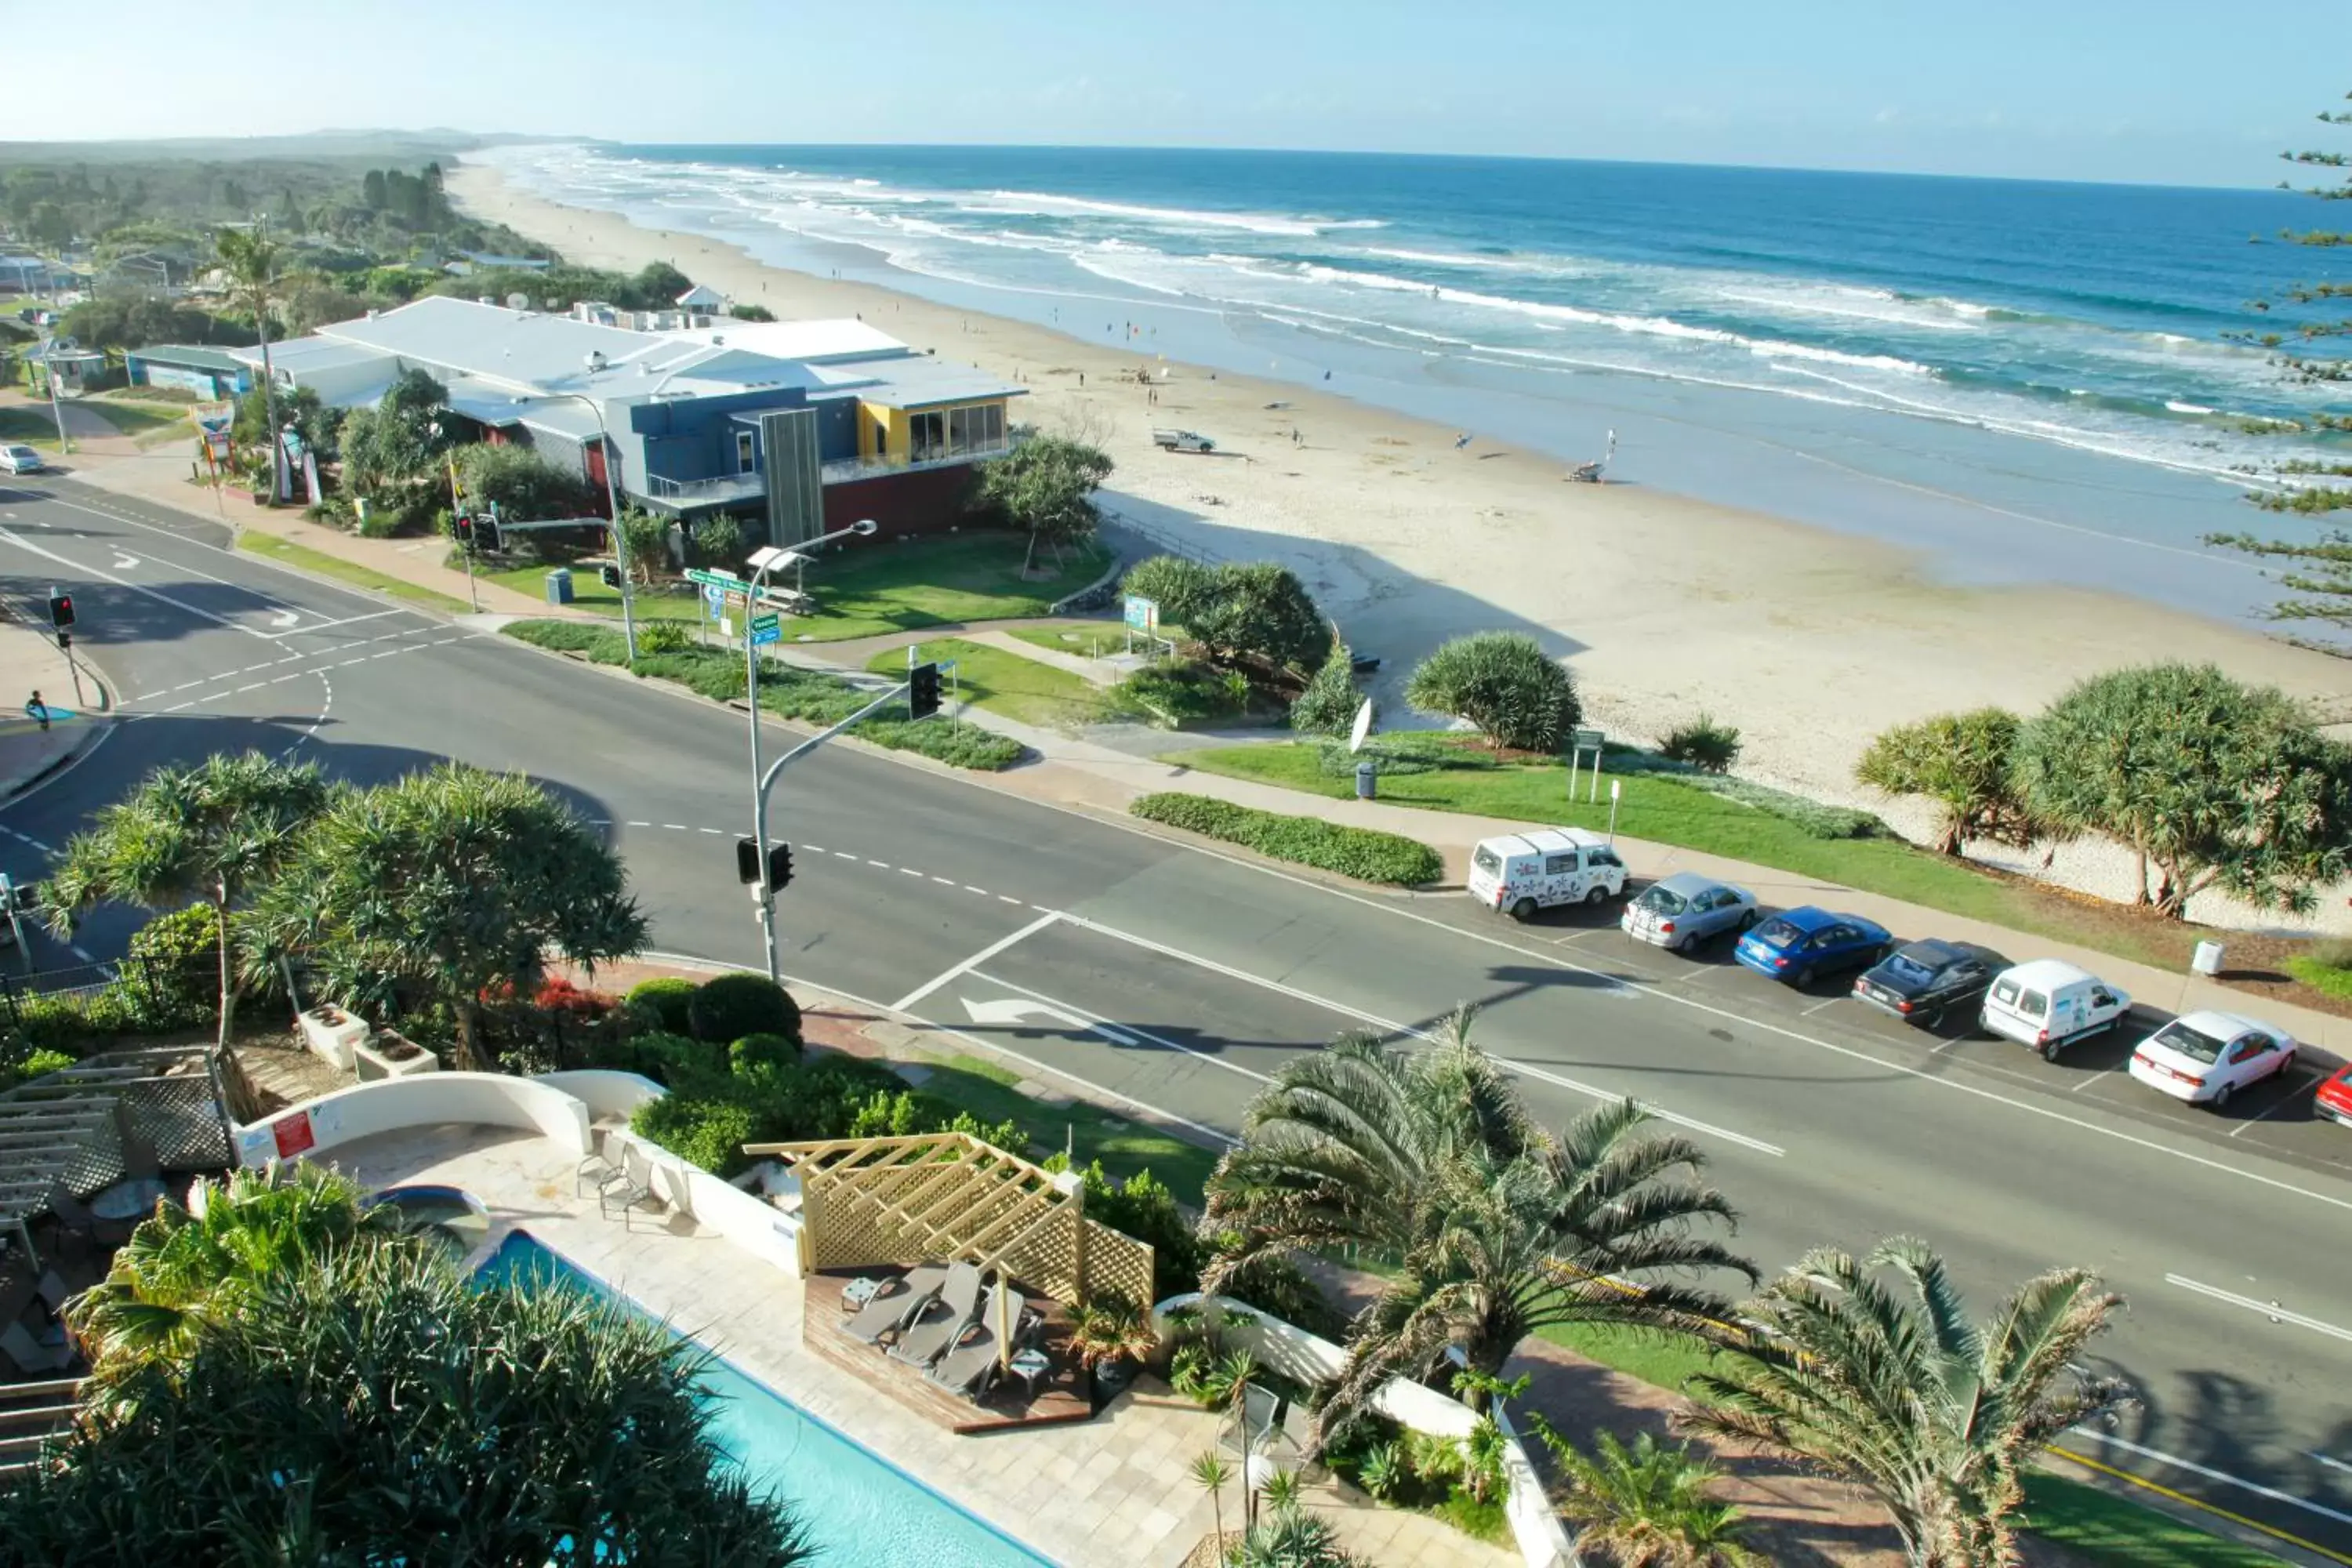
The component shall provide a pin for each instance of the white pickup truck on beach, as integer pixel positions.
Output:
(1182, 441)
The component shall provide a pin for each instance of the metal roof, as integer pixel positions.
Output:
(195, 356)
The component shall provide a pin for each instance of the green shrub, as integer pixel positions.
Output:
(2333, 980)
(960, 746)
(664, 637)
(764, 1052)
(727, 1007)
(1709, 746)
(1503, 683)
(1810, 815)
(1180, 587)
(674, 1061)
(706, 1132)
(173, 980)
(1328, 705)
(1358, 852)
(665, 999)
(1184, 692)
(43, 1062)
(603, 644)
(703, 671)
(1259, 613)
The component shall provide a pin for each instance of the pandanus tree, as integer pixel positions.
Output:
(1428, 1160)
(218, 831)
(1890, 1385)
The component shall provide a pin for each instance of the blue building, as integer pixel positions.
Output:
(807, 424)
(210, 374)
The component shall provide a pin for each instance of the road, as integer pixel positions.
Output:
(1181, 979)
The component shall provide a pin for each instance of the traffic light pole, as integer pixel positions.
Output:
(767, 894)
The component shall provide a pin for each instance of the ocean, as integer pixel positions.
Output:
(2028, 381)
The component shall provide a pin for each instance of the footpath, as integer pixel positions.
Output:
(31, 662)
(1087, 776)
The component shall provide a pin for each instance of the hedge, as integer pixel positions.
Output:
(810, 695)
(666, 998)
(1358, 852)
(726, 1007)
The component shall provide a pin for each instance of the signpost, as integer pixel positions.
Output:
(1579, 742)
(765, 629)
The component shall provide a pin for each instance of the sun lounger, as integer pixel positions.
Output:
(896, 1302)
(944, 1321)
(971, 1365)
(31, 1357)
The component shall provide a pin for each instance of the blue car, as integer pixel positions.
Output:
(1799, 944)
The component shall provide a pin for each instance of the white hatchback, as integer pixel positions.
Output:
(2206, 1058)
(20, 461)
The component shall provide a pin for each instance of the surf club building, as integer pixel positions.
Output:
(805, 426)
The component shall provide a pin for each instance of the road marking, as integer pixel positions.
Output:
(282, 679)
(1012, 1013)
(1346, 1011)
(720, 833)
(351, 620)
(2211, 1474)
(637, 825)
(27, 544)
(882, 865)
(2333, 1464)
(1819, 1005)
(1114, 1031)
(2283, 1101)
(969, 889)
(944, 881)
(243, 689)
(910, 871)
(2271, 1309)
(675, 826)
(1006, 898)
(2132, 1478)
(843, 855)
(983, 956)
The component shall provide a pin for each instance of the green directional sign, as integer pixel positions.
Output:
(718, 580)
(766, 623)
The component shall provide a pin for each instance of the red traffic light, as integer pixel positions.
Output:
(61, 610)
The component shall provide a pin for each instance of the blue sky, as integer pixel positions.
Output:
(2058, 88)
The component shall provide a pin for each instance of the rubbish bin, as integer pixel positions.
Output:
(2207, 959)
(1367, 780)
(559, 586)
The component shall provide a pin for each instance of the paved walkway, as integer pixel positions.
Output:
(1112, 1491)
(29, 654)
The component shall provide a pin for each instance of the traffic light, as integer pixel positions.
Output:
(747, 863)
(922, 691)
(486, 529)
(61, 612)
(465, 526)
(610, 576)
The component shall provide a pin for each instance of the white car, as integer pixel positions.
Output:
(2206, 1058)
(20, 461)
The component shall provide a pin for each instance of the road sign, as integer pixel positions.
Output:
(735, 603)
(766, 630)
(1142, 614)
(1588, 739)
(718, 580)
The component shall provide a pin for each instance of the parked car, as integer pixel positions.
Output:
(1182, 441)
(1524, 872)
(2050, 1004)
(1921, 980)
(1678, 911)
(20, 461)
(2334, 1099)
(2206, 1058)
(1796, 945)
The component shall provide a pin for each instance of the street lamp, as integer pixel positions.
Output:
(613, 506)
(762, 561)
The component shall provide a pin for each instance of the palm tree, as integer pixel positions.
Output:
(1647, 1506)
(1896, 1391)
(188, 1269)
(250, 258)
(218, 831)
(1429, 1159)
(1211, 1473)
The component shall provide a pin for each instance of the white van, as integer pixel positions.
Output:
(2049, 1005)
(1524, 872)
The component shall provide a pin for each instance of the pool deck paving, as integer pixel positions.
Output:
(1111, 1491)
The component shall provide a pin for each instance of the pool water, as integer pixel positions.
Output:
(444, 1212)
(856, 1509)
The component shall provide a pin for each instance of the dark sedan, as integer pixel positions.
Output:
(1918, 980)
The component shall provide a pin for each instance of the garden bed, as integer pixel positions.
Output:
(1361, 853)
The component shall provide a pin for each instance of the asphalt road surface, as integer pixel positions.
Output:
(1180, 979)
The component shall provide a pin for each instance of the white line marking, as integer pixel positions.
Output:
(243, 689)
(2208, 1471)
(676, 826)
(2270, 1310)
(2331, 1463)
(348, 620)
(1114, 1032)
(720, 832)
(883, 865)
(983, 956)
(1819, 1005)
(1006, 898)
(1346, 1011)
(282, 679)
(813, 848)
(969, 889)
(81, 952)
(843, 855)
(637, 825)
(120, 583)
(944, 881)
(349, 662)
(2283, 1101)
(910, 871)
(176, 706)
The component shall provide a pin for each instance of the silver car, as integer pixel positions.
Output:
(20, 461)
(1685, 909)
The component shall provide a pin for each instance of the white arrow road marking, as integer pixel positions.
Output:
(1122, 1034)
(125, 562)
(2271, 1309)
(285, 618)
(1013, 1012)
(983, 956)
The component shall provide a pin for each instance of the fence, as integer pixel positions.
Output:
(149, 993)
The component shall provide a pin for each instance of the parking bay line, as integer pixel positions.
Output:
(2281, 1103)
(1542, 1074)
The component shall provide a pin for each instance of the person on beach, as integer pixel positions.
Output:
(37, 710)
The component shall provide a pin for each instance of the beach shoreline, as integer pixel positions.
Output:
(1810, 641)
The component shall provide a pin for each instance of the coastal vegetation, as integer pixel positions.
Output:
(1362, 853)
(1963, 762)
(1044, 487)
(1504, 686)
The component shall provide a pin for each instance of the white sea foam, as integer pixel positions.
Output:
(1252, 223)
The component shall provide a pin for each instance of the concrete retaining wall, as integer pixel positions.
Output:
(392, 1105)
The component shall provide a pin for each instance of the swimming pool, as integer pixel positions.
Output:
(856, 1509)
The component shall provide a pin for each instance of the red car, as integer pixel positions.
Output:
(2335, 1098)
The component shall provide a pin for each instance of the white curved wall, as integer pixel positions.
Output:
(432, 1100)
(604, 1092)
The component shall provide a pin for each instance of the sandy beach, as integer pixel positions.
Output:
(1811, 642)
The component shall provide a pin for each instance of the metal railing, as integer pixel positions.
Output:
(720, 488)
(842, 471)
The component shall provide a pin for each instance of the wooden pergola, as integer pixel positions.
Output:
(867, 1201)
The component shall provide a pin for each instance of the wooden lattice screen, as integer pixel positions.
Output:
(867, 1201)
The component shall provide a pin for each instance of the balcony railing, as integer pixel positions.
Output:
(695, 492)
(727, 488)
(842, 471)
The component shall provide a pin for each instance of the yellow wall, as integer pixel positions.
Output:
(884, 432)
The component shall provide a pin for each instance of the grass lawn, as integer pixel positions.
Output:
(2103, 1528)
(344, 571)
(1658, 809)
(135, 417)
(588, 594)
(28, 426)
(984, 1089)
(1004, 683)
(1087, 640)
(1668, 1360)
